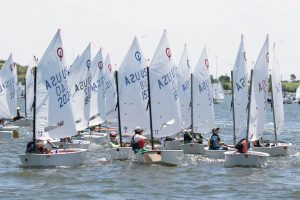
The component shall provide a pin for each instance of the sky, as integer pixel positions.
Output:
(27, 28)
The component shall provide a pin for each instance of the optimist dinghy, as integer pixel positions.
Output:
(276, 148)
(258, 94)
(52, 114)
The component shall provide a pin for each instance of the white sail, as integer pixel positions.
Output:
(80, 86)
(133, 90)
(53, 109)
(259, 94)
(203, 106)
(298, 93)
(20, 90)
(218, 91)
(183, 75)
(110, 91)
(29, 91)
(240, 91)
(164, 92)
(277, 94)
(8, 89)
(97, 107)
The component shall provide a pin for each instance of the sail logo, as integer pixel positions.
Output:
(100, 65)
(170, 77)
(136, 76)
(206, 63)
(60, 53)
(241, 83)
(59, 83)
(88, 64)
(168, 53)
(138, 56)
(267, 57)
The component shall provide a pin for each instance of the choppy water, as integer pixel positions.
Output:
(196, 178)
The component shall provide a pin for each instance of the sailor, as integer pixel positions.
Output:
(138, 140)
(243, 145)
(214, 142)
(18, 115)
(113, 139)
(258, 143)
(187, 137)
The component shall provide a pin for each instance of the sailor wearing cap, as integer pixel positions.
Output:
(113, 139)
(215, 140)
(138, 141)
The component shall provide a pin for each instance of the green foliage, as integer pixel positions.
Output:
(226, 85)
(21, 71)
(224, 78)
(290, 86)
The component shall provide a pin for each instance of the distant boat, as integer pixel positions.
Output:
(218, 92)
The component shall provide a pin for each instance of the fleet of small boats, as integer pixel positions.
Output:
(65, 106)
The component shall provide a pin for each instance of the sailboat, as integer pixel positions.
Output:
(52, 112)
(297, 97)
(201, 102)
(164, 109)
(218, 93)
(8, 97)
(132, 96)
(28, 100)
(277, 148)
(183, 75)
(258, 102)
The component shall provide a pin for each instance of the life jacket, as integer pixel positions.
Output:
(242, 146)
(139, 144)
(214, 142)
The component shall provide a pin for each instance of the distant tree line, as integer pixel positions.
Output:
(223, 79)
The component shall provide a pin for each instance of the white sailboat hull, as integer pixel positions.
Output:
(193, 148)
(6, 135)
(216, 154)
(250, 159)
(75, 144)
(98, 138)
(23, 122)
(168, 157)
(282, 149)
(60, 157)
(120, 153)
(171, 157)
(173, 144)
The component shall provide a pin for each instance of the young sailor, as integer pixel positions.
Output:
(138, 141)
(113, 139)
(214, 142)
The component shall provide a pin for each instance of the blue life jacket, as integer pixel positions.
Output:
(214, 142)
(134, 145)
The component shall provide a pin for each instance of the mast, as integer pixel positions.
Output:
(149, 106)
(25, 100)
(273, 109)
(118, 105)
(34, 103)
(250, 91)
(192, 113)
(233, 113)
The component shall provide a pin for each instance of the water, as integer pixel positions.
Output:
(196, 178)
